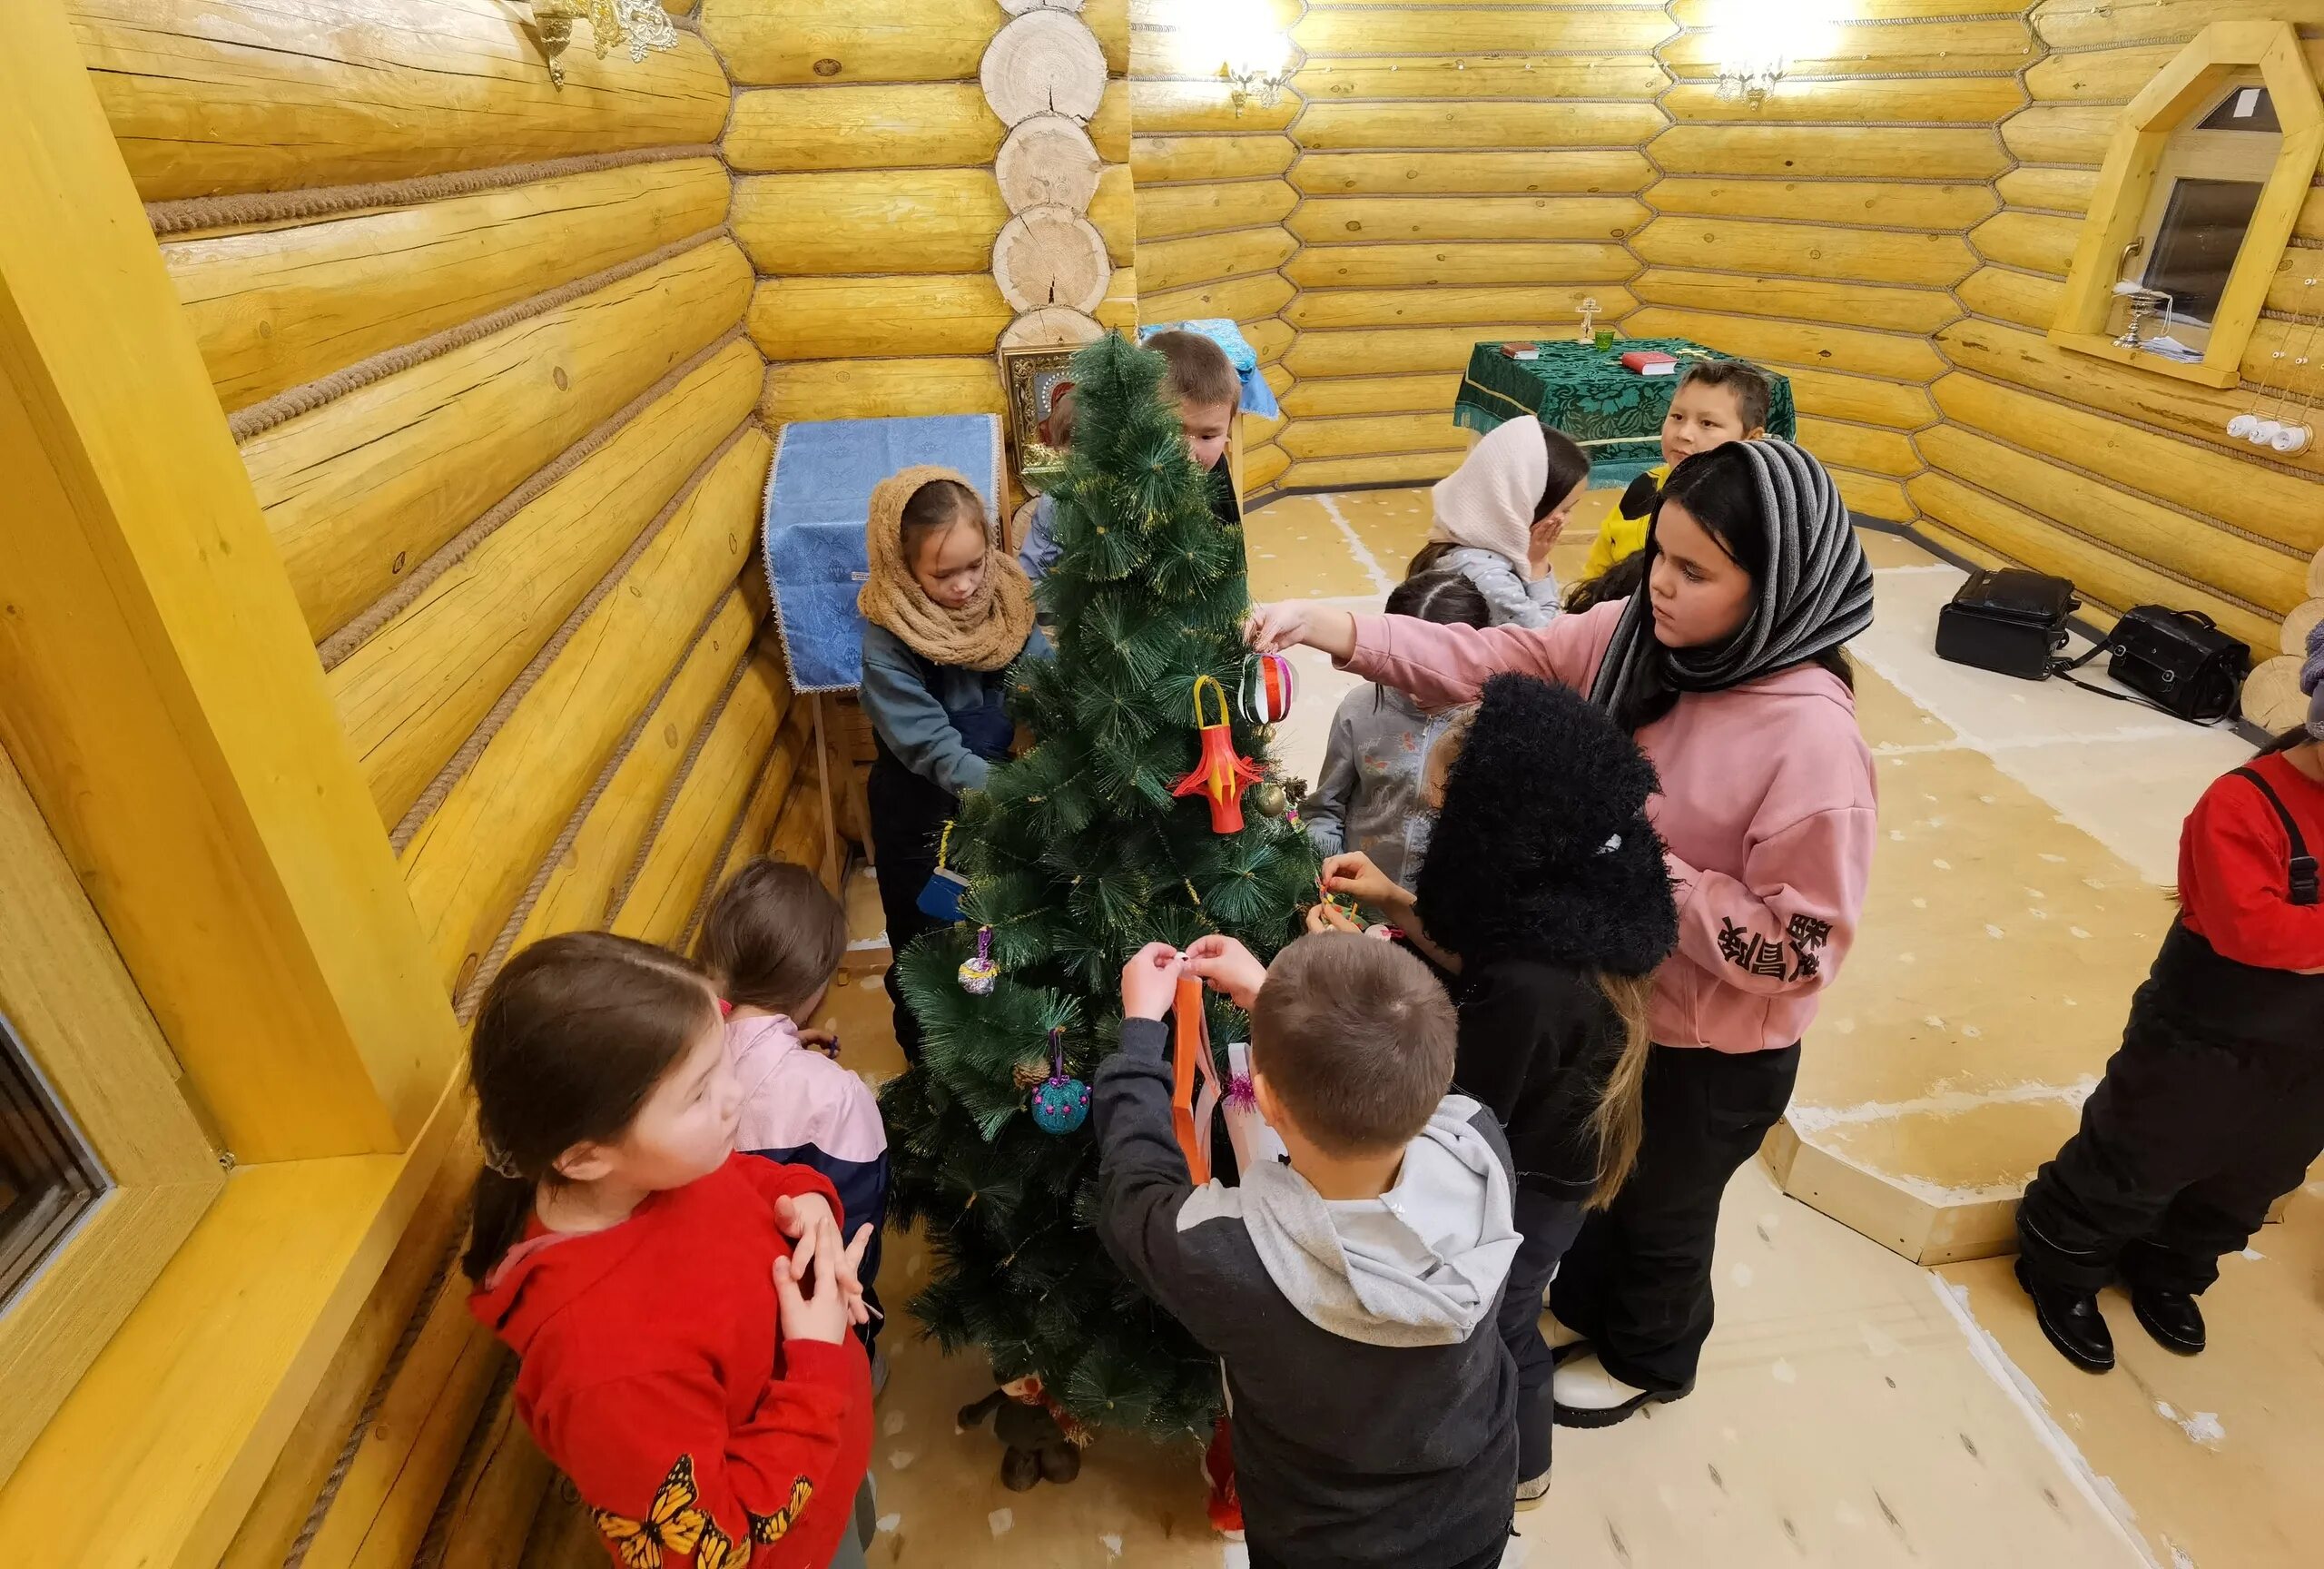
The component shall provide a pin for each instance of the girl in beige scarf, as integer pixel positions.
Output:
(936, 581)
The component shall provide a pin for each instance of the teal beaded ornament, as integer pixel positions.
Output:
(1062, 1104)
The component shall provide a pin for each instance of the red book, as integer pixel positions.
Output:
(1520, 350)
(1650, 362)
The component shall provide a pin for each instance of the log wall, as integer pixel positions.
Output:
(487, 347)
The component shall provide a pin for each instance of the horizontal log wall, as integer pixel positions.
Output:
(2124, 480)
(1213, 202)
(485, 343)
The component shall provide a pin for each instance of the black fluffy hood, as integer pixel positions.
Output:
(1544, 842)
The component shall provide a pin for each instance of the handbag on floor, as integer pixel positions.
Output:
(2013, 621)
(2010, 621)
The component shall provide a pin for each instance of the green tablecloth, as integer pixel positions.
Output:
(1615, 414)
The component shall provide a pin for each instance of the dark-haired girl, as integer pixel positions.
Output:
(946, 611)
(1368, 797)
(1726, 667)
(1496, 516)
(681, 1313)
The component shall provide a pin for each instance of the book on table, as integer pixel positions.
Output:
(1520, 350)
(1650, 362)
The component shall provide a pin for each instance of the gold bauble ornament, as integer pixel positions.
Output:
(1268, 799)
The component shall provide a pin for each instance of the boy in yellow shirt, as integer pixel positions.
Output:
(1717, 402)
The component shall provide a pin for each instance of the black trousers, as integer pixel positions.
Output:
(908, 815)
(2188, 1138)
(1637, 1280)
(1547, 1226)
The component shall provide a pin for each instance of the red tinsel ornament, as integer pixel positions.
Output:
(1221, 777)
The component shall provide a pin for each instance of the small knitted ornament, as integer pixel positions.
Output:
(1061, 1105)
(978, 974)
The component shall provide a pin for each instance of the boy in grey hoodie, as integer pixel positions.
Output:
(1350, 1290)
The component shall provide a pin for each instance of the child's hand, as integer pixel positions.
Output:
(823, 1040)
(1151, 981)
(1355, 875)
(807, 1219)
(810, 1304)
(1276, 626)
(1227, 967)
(1331, 918)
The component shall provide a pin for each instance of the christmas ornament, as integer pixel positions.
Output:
(1062, 1104)
(1269, 801)
(1190, 1061)
(978, 974)
(1221, 775)
(1266, 688)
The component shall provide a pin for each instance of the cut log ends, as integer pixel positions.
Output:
(1052, 327)
(2272, 696)
(1046, 61)
(1049, 160)
(2300, 625)
(1051, 256)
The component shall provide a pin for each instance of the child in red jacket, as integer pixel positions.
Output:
(640, 1268)
(2214, 1105)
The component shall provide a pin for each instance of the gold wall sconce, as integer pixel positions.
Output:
(642, 24)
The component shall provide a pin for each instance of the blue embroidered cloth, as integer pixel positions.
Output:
(818, 494)
(1258, 398)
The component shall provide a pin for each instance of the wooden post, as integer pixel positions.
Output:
(831, 867)
(158, 688)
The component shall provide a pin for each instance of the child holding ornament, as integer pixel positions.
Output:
(1499, 513)
(945, 613)
(680, 1312)
(771, 942)
(1368, 795)
(1351, 1292)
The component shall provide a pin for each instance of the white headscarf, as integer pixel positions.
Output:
(1489, 501)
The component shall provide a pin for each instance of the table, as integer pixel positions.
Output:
(1616, 414)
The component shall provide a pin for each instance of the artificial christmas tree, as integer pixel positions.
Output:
(1078, 854)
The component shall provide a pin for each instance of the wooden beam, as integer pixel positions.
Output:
(157, 686)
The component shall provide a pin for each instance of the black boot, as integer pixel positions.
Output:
(2072, 1321)
(2171, 1316)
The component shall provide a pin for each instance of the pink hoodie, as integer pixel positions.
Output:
(1767, 807)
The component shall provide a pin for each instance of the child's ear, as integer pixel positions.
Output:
(585, 1162)
(1269, 1107)
(1756, 433)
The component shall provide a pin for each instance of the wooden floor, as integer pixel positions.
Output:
(1856, 1409)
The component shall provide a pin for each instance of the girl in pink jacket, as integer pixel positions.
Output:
(1726, 667)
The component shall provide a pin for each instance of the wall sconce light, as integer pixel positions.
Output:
(1758, 40)
(1254, 58)
(642, 24)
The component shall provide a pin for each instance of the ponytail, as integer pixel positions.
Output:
(1618, 1121)
(496, 1216)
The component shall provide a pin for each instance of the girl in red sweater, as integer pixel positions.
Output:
(640, 1268)
(2214, 1105)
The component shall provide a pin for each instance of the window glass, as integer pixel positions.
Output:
(48, 1176)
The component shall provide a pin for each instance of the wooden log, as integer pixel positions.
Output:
(1984, 46)
(412, 694)
(1169, 212)
(2098, 76)
(1861, 447)
(2298, 287)
(1830, 151)
(1440, 173)
(1478, 30)
(2316, 575)
(821, 129)
(1049, 160)
(288, 302)
(1249, 299)
(1054, 327)
(2166, 21)
(369, 485)
(1806, 250)
(2048, 190)
(470, 863)
(2291, 355)
(1799, 299)
(799, 838)
(1051, 256)
(880, 389)
(1906, 99)
(2114, 581)
(1862, 400)
(793, 749)
(1114, 210)
(1442, 307)
(2226, 485)
(1163, 160)
(1176, 108)
(1892, 356)
(490, 1505)
(1398, 350)
(212, 97)
(2062, 133)
(1168, 264)
(2299, 625)
(1365, 433)
(1873, 496)
(893, 221)
(1345, 220)
(1710, 14)
(1148, 16)
(2165, 536)
(581, 889)
(1110, 20)
(2272, 699)
(709, 797)
(1426, 393)
(1883, 204)
(1397, 266)
(1043, 62)
(2029, 242)
(1338, 80)
(1357, 126)
(803, 318)
(1263, 465)
(2029, 360)
(1344, 473)
(2022, 298)
(1271, 340)
(809, 42)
